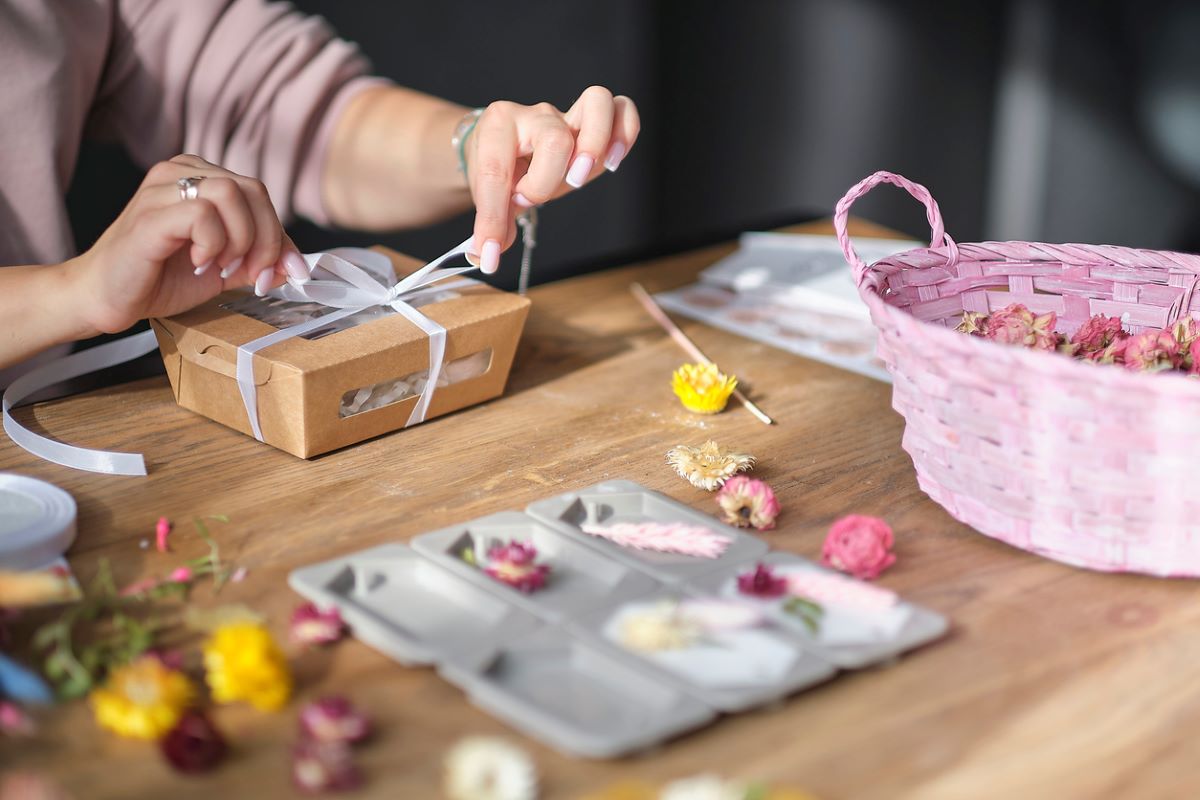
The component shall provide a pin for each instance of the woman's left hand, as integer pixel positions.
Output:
(521, 156)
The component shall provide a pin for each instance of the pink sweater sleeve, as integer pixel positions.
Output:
(251, 85)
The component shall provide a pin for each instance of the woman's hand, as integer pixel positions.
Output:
(521, 156)
(165, 254)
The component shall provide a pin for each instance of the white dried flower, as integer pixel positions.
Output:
(704, 787)
(489, 768)
(707, 466)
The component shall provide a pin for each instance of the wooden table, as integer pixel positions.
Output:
(1055, 682)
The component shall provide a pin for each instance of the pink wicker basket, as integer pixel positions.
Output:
(1091, 465)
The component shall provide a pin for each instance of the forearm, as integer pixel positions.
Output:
(390, 164)
(38, 310)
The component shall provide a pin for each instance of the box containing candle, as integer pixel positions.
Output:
(350, 355)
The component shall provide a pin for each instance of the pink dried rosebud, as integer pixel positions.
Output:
(1152, 351)
(312, 626)
(194, 744)
(324, 767)
(859, 545)
(1194, 352)
(514, 564)
(333, 719)
(181, 574)
(1016, 324)
(161, 531)
(1095, 335)
(762, 582)
(747, 502)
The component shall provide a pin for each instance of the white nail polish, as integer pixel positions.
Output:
(615, 154)
(233, 267)
(203, 268)
(522, 200)
(262, 284)
(489, 258)
(580, 170)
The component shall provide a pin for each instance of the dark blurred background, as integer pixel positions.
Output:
(1029, 119)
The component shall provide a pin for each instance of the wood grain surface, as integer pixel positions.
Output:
(1054, 682)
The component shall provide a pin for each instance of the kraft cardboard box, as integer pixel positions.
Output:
(306, 386)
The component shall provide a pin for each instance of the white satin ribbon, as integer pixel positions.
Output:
(358, 279)
(72, 366)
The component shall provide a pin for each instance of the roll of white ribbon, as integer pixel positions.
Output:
(37, 522)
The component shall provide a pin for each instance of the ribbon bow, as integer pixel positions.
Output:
(352, 280)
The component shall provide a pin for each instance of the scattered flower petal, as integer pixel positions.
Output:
(144, 544)
(488, 768)
(312, 626)
(702, 388)
(324, 767)
(762, 582)
(664, 537)
(707, 466)
(161, 531)
(243, 663)
(515, 564)
(748, 502)
(14, 721)
(238, 575)
(143, 699)
(333, 719)
(194, 744)
(859, 545)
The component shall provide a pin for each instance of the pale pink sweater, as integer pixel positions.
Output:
(254, 86)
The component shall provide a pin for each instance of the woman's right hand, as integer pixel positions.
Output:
(164, 255)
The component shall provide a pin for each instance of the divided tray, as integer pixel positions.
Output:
(556, 663)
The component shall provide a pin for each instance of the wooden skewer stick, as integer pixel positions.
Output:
(689, 347)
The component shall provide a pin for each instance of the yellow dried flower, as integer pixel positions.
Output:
(243, 662)
(143, 699)
(702, 388)
(660, 627)
(707, 466)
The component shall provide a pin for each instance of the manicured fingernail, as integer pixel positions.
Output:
(579, 171)
(489, 257)
(262, 284)
(232, 268)
(203, 268)
(522, 200)
(613, 159)
(295, 265)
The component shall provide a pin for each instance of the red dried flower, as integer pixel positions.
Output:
(194, 744)
(333, 719)
(762, 582)
(859, 545)
(312, 626)
(1096, 335)
(324, 767)
(515, 564)
(1152, 351)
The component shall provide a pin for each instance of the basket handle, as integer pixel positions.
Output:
(841, 216)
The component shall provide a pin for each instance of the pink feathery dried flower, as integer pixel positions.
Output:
(1152, 351)
(515, 564)
(334, 719)
(312, 626)
(762, 582)
(161, 531)
(748, 502)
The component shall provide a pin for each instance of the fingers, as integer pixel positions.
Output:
(491, 176)
(551, 142)
(593, 115)
(166, 228)
(626, 127)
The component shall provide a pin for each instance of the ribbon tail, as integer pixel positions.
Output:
(437, 353)
(97, 358)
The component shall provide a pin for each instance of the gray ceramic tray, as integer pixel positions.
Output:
(581, 579)
(622, 501)
(408, 607)
(758, 665)
(576, 696)
(840, 640)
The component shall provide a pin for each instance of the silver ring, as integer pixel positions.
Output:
(189, 188)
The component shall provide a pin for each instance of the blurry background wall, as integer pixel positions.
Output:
(1062, 121)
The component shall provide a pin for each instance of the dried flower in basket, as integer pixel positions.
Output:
(1095, 338)
(489, 768)
(312, 626)
(707, 466)
(1016, 324)
(243, 663)
(142, 699)
(194, 744)
(664, 537)
(1152, 351)
(515, 564)
(334, 719)
(748, 502)
(859, 545)
(702, 388)
(974, 323)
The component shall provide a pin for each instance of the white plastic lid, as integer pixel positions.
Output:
(37, 522)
